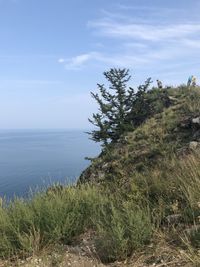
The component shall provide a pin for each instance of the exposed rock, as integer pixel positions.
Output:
(185, 123)
(193, 145)
(91, 174)
(196, 135)
(101, 175)
(105, 166)
(173, 99)
(196, 120)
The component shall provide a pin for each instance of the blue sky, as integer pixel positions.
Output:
(53, 52)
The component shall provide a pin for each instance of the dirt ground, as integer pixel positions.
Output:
(83, 254)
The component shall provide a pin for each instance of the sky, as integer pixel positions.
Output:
(53, 53)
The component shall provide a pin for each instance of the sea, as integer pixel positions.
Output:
(32, 160)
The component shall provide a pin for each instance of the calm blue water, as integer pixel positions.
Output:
(32, 158)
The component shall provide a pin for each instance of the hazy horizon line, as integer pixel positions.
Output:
(45, 129)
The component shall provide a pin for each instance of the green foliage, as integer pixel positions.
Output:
(113, 107)
(28, 226)
(124, 110)
(121, 230)
(147, 103)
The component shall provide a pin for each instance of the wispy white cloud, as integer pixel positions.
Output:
(79, 61)
(111, 28)
(141, 41)
(144, 8)
(133, 55)
(106, 60)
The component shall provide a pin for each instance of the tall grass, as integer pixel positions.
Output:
(188, 173)
(122, 223)
(27, 227)
(177, 191)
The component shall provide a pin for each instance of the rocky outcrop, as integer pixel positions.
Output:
(194, 145)
(196, 121)
(92, 175)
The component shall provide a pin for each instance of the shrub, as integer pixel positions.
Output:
(121, 229)
(28, 226)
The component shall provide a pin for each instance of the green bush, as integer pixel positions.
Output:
(28, 226)
(120, 230)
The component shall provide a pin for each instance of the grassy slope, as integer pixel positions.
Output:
(149, 175)
(162, 136)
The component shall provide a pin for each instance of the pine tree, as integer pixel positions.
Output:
(114, 105)
(141, 106)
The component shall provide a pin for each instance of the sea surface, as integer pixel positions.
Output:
(34, 159)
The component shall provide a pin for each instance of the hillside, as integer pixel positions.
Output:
(175, 131)
(136, 205)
